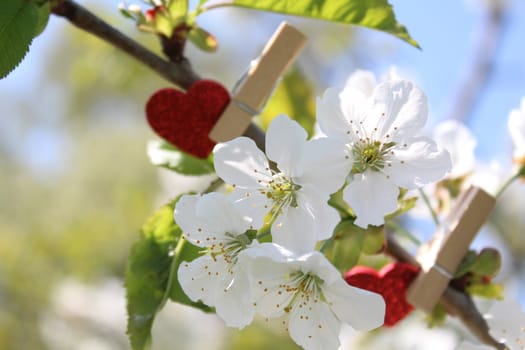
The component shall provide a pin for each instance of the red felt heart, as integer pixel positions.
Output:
(185, 119)
(391, 282)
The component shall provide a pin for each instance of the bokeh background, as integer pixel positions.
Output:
(76, 184)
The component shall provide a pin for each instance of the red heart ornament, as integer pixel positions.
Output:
(391, 282)
(185, 119)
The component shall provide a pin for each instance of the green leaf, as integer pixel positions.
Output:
(44, 10)
(163, 24)
(202, 39)
(150, 274)
(375, 14)
(294, 97)
(163, 154)
(178, 8)
(147, 274)
(18, 24)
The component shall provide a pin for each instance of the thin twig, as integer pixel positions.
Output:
(457, 303)
(179, 73)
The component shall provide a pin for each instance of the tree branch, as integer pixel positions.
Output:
(457, 303)
(179, 73)
(482, 65)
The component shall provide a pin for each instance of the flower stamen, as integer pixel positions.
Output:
(369, 154)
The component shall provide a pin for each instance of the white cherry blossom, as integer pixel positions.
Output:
(294, 196)
(460, 143)
(311, 294)
(516, 125)
(384, 151)
(213, 222)
(362, 80)
(365, 81)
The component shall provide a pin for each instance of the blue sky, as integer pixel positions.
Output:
(446, 30)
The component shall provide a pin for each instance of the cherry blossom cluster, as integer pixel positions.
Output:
(370, 148)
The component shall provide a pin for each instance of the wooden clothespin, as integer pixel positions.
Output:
(254, 89)
(440, 258)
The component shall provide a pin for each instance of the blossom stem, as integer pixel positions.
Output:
(325, 244)
(339, 207)
(429, 206)
(264, 232)
(509, 181)
(173, 267)
(214, 185)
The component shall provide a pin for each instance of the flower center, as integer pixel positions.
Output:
(370, 154)
(307, 289)
(283, 192)
(230, 249)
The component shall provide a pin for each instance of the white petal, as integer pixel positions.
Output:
(354, 104)
(234, 301)
(371, 196)
(361, 309)
(205, 220)
(326, 164)
(201, 278)
(253, 204)
(334, 113)
(460, 143)
(184, 214)
(362, 80)
(221, 215)
(196, 229)
(399, 110)
(239, 162)
(285, 141)
(325, 217)
(294, 229)
(268, 266)
(270, 251)
(314, 326)
(300, 228)
(418, 164)
(317, 264)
